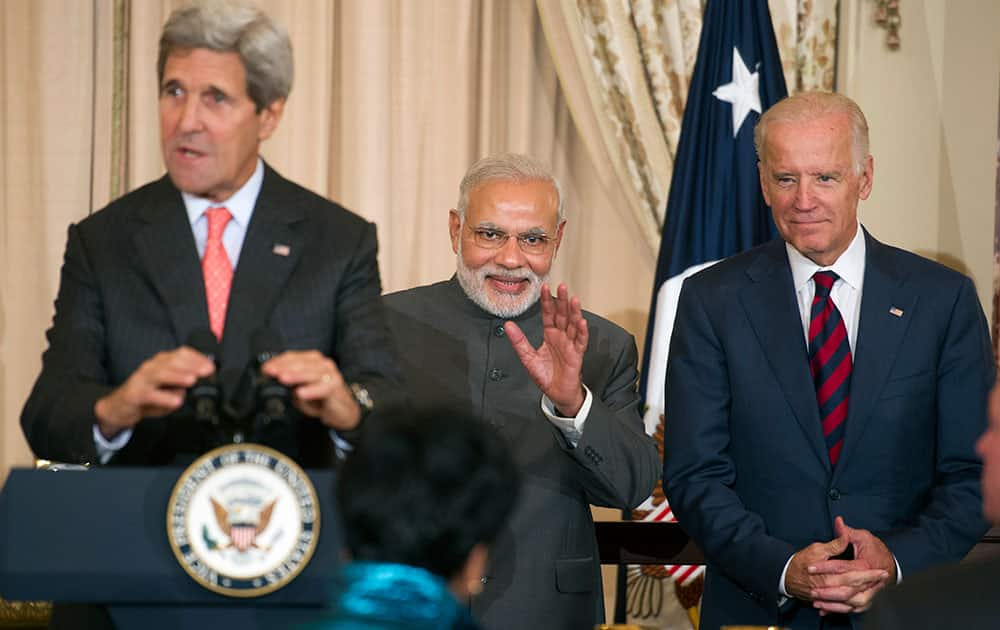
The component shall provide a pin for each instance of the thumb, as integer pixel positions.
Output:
(844, 530)
(840, 527)
(839, 544)
(518, 340)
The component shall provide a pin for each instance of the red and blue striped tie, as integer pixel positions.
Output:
(830, 362)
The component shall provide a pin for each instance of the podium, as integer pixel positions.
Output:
(99, 536)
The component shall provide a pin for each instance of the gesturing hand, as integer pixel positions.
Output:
(318, 388)
(156, 388)
(555, 365)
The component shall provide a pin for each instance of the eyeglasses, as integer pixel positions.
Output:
(529, 242)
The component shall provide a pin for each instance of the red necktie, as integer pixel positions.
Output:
(217, 270)
(830, 363)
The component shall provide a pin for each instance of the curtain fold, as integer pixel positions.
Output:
(599, 60)
(48, 61)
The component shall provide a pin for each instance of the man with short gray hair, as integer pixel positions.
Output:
(558, 382)
(823, 395)
(221, 246)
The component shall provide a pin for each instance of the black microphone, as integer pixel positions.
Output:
(205, 395)
(273, 398)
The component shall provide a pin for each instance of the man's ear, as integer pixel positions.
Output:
(867, 178)
(559, 236)
(763, 183)
(469, 579)
(454, 228)
(270, 116)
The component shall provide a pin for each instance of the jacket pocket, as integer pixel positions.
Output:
(914, 385)
(575, 575)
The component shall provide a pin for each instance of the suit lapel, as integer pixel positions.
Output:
(774, 315)
(879, 334)
(271, 250)
(165, 245)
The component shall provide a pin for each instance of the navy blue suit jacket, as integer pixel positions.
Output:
(745, 465)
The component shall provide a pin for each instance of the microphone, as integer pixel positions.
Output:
(273, 398)
(205, 395)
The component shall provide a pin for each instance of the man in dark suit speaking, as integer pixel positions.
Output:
(823, 395)
(221, 243)
(559, 384)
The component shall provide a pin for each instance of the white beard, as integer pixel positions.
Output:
(503, 305)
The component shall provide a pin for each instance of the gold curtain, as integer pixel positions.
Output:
(48, 128)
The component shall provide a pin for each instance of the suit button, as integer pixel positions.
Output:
(499, 331)
(834, 494)
(496, 374)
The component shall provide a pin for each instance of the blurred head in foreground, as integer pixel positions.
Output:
(421, 499)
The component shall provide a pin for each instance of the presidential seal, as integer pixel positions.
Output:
(243, 520)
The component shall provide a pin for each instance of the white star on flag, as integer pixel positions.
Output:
(741, 91)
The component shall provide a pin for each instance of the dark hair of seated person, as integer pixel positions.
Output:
(422, 489)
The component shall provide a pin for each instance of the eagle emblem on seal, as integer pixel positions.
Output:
(242, 522)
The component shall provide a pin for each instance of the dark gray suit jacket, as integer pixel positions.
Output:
(545, 570)
(131, 286)
(745, 466)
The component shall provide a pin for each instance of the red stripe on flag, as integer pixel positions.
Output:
(689, 571)
(665, 515)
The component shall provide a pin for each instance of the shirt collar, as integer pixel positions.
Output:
(240, 205)
(850, 266)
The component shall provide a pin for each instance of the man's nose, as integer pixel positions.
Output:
(509, 254)
(803, 196)
(190, 119)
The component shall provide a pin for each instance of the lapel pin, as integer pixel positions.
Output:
(280, 249)
(898, 312)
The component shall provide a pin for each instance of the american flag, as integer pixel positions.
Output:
(715, 208)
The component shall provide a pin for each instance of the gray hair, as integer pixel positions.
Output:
(507, 167)
(809, 106)
(234, 26)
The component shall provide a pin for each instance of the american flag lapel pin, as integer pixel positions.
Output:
(898, 312)
(280, 249)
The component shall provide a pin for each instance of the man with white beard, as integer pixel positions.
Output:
(557, 382)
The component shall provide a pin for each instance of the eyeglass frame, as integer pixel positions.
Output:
(504, 236)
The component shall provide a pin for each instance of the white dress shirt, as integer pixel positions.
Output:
(846, 295)
(571, 428)
(846, 292)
